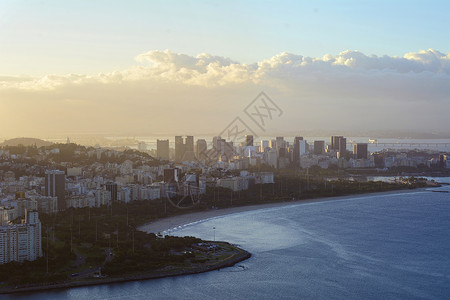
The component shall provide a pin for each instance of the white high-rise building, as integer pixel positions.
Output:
(302, 148)
(20, 242)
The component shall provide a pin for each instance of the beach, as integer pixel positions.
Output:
(167, 224)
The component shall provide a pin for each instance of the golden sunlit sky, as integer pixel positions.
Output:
(190, 67)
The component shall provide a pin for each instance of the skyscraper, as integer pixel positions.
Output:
(319, 147)
(189, 154)
(273, 144)
(248, 140)
(335, 142)
(55, 186)
(264, 145)
(297, 140)
(339, 144)
(280, 142)
(342, 146)
(179, 148)
(162, 149)
(201, 149)
(360, 150)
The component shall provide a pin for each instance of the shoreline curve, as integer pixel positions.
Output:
(175, 222)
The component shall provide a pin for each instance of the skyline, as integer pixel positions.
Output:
(101, 68)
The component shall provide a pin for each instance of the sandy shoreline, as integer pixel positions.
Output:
(162, 225)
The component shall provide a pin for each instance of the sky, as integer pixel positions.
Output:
(190, 67)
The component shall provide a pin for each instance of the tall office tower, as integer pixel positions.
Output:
(273, 144)
(189, 153)
(280, 142)
(282, 152)
(179, 148)
(215, 142)
(360, 150)
(319, 147)
(248, 140)
(162, 149)
(112, 188)
(264, 145)
(189, 143)
(221, 144)
(201, 149)
(55, 186)
(342, 146)
(339, 143)
(334, 142)
(228, 150)
(296, 157)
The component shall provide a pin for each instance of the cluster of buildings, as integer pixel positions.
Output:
(277, 153)
(92, 177)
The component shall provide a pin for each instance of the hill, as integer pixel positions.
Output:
(26, 142)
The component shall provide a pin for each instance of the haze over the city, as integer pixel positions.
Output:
(168, 67)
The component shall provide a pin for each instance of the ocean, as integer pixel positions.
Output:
(385, 246)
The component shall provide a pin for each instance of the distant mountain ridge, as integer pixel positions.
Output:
(26, 142)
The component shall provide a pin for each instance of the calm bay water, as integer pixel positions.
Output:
(365, 247)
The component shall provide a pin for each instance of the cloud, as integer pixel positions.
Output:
(167, 91)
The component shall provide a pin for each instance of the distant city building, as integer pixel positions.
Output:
(280, 143)
(75, 171)
(296, 157)
(303, 147)
(273, 144)
(21, 242)
(319, 147)
(272, 158)
(142, 146)
(189, 153)
(112, 188)
(184, 151)
(360, 150)
(55, 186)
(171, 175)
(179, 148)
(201, 149)
(447, 161)
(46, 204)
(102, 197)
(162, 149)
(264, 145)
(339, 144)
(248, 140)
(215, 141)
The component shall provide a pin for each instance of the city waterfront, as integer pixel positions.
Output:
(373, 144)
(392, 245)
